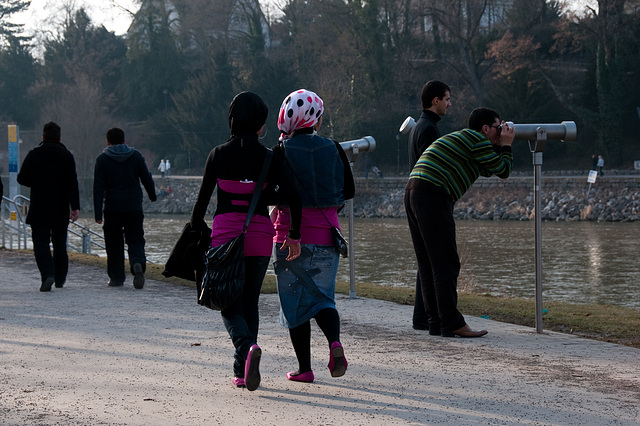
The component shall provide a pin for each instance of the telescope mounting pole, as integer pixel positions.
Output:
(352, 269)
(537, 148)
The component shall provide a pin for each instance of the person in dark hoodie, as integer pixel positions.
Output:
(50, 171)
(118, 172)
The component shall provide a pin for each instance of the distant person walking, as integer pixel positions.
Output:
(163, 168)
(50, 171)
(436, 100)
(600, 165)
(594, 162)
(167, 166)
(118, 172)
(443, 173)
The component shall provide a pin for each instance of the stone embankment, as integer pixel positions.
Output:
(564, 197)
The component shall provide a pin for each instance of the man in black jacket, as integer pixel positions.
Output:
(118, 172)
(436, 99)
(50, 171)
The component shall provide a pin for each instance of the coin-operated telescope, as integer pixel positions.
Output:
(352, 149)
(537, 135)
(565, 131)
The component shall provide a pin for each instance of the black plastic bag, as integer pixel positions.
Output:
(223, 279)
(185, 260)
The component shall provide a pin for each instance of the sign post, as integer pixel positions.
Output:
(14, 161)
(593, 175)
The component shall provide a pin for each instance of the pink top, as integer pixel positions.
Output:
(314, 228)
(259, 238)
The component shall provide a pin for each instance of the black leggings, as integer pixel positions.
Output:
(329, 322)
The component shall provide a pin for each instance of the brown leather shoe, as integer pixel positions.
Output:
(465, 331)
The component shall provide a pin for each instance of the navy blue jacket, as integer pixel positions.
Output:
(117, 176)
(321, 170)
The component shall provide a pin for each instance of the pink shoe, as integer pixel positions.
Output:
(238, 381)
(307, 376)
(252, 368)
(337, 361)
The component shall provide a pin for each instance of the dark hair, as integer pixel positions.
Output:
(433, 89)
(247, 113)
(115, 136)
(51, 132)
(481, 116)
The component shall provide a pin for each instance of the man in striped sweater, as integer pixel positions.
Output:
(443, 173)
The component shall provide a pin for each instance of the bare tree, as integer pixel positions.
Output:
(80, 112)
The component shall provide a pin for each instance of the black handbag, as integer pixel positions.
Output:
(339, 242)
(224, 279)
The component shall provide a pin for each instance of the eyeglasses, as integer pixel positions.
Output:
(498, 128)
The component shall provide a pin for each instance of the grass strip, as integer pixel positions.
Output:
(608, 323)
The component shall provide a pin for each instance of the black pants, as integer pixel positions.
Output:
(121, 227)
(241, 319)
(420, 318)
(55, 266)
(433, 233)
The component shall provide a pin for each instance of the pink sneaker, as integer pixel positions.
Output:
(238, 381)
(337, 361)
(307, 376)
(252, 368)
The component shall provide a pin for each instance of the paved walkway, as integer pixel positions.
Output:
(90, 354)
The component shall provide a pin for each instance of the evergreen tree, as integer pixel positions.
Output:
(18, 72)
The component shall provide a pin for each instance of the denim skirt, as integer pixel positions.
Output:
(307, 284)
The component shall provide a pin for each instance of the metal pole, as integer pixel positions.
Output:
(398, 154)
(352, 266)
(352, 269)
(537, 170)
(352, 149)
(537, 147)
(86, 242)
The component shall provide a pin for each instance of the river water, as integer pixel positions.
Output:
(582, 262)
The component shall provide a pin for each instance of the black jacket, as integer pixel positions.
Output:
(422, 135)
(50, 171)
(185, 260)
(117, 176)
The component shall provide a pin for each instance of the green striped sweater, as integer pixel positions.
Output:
(454, 161)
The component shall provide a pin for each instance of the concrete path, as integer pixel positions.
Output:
(88, 354)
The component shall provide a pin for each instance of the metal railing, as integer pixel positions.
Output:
(85, 234)
(13, 214)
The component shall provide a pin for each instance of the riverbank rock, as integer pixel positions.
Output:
(562, 199)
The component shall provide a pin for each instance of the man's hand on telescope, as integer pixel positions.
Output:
(506, 134)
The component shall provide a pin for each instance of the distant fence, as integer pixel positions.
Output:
(549, 183)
